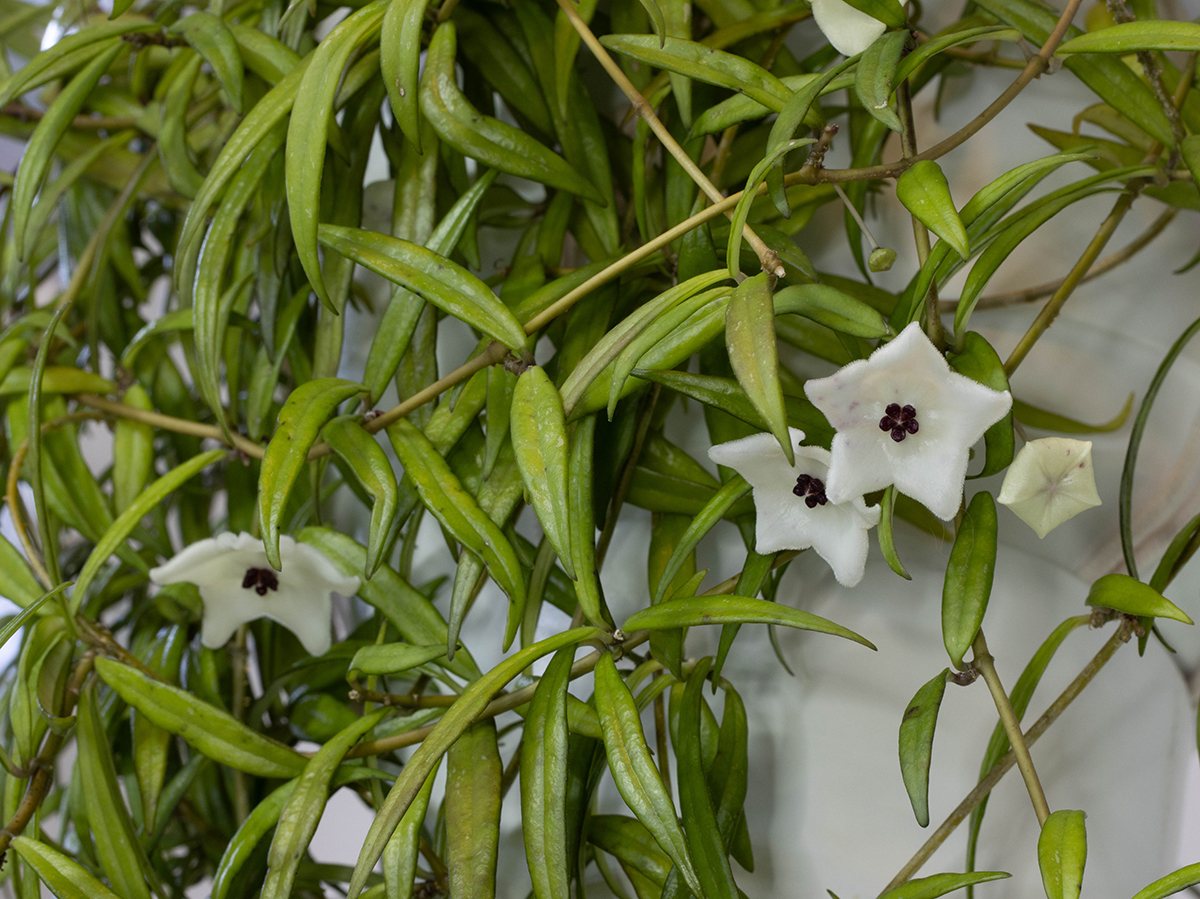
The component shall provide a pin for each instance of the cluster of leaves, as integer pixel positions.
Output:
(178, 260)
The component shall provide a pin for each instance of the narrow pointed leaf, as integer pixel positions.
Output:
(875, 77)
(455, 508)
(302, 812)
(634, 771)
(63, 876)
(1125, 594)
(544, 780)
(443, 283)
(370, 465)
(210, 730)
(925, 193)
(696, 610)
(916, 743)
(969, 574)
(750, 339)
(941, 884)
(539, 435)
(473, 774)
(1062, 851)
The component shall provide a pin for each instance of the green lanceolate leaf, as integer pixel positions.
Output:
(394, 658)
(117, 845)
(400, 62)
(969, 574)
(544, 780)
(952, 37)
(213, 732)
(750, 339)
(733, 490)
(696, 610)
(741, 213)
(19, 620)
(1173, 883)
(492, 142)
(300, 421)
(612, 344)
(258, 125)
(832, 308)
(703, 833)
(1034, 417)
(539, 437)
(211, 38)
(705, 64)
(39, 152)
(258, 824)
(941, 884)
(925, 193)
(133, 451)
(1131, 596)
(457, 719)
(65, 877)
(56, 379)
(875, 79)
(634, 771)
(887, 534)
(366, 458)
(979, 361)
(308, 133)
(1135, 441)
(916, 743)
(146, 501)
(473, 774)
(1062, 851)
(443, 283)
(581, 444)
(400, 853)
(1130, 37)
(302, 812)
(455, 508)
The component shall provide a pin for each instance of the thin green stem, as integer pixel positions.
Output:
(1074, 278)
(908, 148)
(766, 256)
(985, 665)
(998, 770)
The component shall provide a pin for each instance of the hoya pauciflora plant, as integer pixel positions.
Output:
(358, 366)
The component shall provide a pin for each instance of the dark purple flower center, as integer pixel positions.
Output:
(261, 579)
(900, 420)
(811, 490)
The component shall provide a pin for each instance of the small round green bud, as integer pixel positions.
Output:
(881, 259)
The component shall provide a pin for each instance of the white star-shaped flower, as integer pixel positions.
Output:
(238, 585)
(1051, 480)
(849, 30)
(903, 417)
(791, 508)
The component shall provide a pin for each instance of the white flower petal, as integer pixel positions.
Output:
(300, 599)
(837, 533)
(1050, 481)
(753, 459)
(849, 30)
(952, 413)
